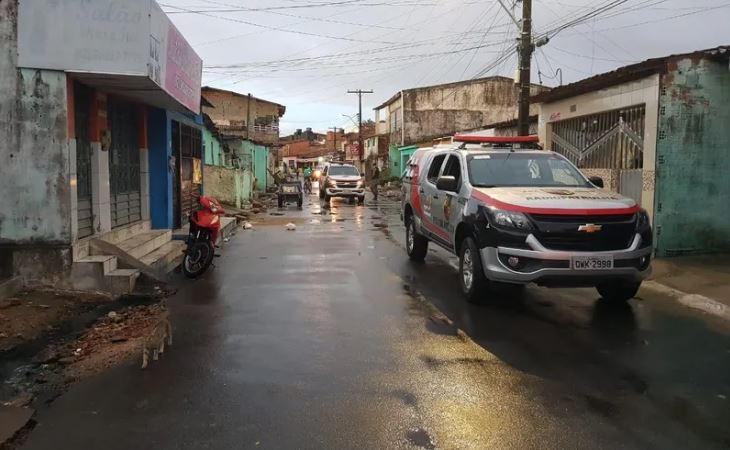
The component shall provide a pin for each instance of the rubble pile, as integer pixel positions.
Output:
(392, 192)
(120, 334)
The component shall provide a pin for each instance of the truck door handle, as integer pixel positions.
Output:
(435, 196)
(421, 190)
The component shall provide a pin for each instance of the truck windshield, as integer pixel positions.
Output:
(343, 170)
(527, 169)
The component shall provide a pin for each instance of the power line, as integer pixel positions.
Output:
(253, 24)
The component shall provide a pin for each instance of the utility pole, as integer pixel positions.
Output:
(359, 92)
(526, 49)
(334, 145)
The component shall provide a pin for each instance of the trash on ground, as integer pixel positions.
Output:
(247, 226)
(291, 227)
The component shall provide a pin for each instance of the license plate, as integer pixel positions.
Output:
(289, 189)
(592, 262)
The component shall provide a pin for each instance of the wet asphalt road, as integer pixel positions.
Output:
(328, 338)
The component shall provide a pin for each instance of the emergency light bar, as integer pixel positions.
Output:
(496, 139)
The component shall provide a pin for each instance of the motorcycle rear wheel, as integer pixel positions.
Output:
(198, 258)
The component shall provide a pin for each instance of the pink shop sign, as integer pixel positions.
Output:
(183, 71)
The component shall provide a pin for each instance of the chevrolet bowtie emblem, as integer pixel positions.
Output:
(590, 228)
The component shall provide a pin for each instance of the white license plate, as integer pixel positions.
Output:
(592, 262)
(289, 189)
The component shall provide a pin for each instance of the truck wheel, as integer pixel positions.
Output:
(299, 202)
(416, 245)
(361, 200)
(327, 198)
(618, 292)
(473, 283)
(280, 201)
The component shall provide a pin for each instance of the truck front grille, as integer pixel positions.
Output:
(561, 232)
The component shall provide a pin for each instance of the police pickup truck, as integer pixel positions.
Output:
(515, 214)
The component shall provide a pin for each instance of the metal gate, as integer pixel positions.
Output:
(187, 148)
(85, 217)
(630, 184)
(124, 166)
(608, 140)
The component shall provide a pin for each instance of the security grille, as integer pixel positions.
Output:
(85, 216)
(609, 140)
(124, 165)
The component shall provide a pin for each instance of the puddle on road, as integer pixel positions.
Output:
(421, 438)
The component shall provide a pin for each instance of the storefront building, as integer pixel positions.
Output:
(102, 104)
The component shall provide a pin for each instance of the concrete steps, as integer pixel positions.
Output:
(166, 258)
(125, 257)
(145, 243)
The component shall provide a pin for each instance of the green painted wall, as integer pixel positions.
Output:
(394, 160)
(259, 157)
(405, 155)
(213, 149)
(692, 203)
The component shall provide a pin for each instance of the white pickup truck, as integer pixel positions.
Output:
(516, 215)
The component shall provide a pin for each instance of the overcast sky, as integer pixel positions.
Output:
(306, 54)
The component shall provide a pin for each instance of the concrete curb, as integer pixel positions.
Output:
(694, 301)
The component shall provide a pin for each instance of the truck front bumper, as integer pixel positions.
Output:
(554, 268)
(345, 192)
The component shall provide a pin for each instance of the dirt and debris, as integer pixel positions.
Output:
(77, 335)
(113, 339)
(32, 312)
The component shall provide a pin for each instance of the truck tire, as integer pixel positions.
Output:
(474, 285)
(300, 201)
(280, 202)
(416, 245)
(618, 292)
(361, 200)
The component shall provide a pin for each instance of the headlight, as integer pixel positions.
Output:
(509, 219)
(331, 183)
(359, 184)
(642, 220)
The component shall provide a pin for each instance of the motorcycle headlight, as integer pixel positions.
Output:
(213, 208)
(509, 219)
(642, 219)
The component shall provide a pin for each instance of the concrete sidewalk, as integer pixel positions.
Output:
(701, 282)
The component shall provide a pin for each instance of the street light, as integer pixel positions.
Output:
(353, 120)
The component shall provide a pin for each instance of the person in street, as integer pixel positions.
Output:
(308, 179)
(374, 180)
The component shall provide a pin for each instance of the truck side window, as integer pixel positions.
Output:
(453, 168)
(433, 171)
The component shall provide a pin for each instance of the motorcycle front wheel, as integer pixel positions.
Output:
(198, 258)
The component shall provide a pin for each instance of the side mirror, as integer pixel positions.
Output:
(447, 183)
(598, 181)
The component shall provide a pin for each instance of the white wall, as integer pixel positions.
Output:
(644, 91)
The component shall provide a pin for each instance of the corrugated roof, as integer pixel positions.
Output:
(624, 74)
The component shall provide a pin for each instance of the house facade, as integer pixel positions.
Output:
(655, 131)
(251, 127)
(100, 131)
(419, 115)
(226, 177)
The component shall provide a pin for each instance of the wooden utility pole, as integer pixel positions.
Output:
(526, 49)
(334, 145)
(359, 92)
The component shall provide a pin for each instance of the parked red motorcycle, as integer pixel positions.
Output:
(205, 224)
